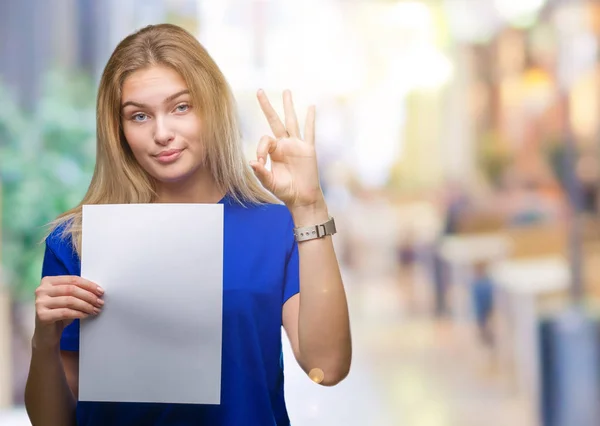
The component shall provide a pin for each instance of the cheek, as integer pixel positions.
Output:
(190, 129)
(135, 137)
(197, 146)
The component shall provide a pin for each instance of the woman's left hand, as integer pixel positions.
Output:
(294, 176)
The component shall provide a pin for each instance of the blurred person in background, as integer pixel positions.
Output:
(454, 206)
(167, 133)
(588, 173)
(482, 296)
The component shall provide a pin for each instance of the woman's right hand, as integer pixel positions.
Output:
(58, 301)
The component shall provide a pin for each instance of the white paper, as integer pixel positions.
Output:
(158, 337)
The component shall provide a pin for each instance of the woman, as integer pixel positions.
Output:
(167, 133)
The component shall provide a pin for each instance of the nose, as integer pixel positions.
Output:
(163, 135)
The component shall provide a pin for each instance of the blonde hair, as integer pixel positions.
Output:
(117, 177)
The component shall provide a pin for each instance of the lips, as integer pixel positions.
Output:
(168, 152)
(169, 155)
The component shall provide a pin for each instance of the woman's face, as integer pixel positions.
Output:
(160, 124)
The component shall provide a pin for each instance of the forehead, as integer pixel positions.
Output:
(152, 84)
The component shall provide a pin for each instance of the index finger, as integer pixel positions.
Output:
(309, 126)
(274, 121)
(79, 282)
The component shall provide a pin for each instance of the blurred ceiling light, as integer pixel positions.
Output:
(423, 68)
(536, 90)
(471, 21)
(408, 14)
(408, 33)
(320, 54)
(433, 69)
(519, 12)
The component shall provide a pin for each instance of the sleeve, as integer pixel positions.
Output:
(292, 268)
(52, 266)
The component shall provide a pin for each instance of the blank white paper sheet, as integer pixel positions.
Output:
(158, 337)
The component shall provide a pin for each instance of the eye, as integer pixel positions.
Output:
(182, 108)
(139, 117)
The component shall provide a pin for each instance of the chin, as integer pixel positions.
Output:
(171, 177)
(173, 173)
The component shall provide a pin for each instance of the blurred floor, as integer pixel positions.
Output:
(407, 368)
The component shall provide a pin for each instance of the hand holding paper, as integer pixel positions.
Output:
(58, 301)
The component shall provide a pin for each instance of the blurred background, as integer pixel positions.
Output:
(459, 147)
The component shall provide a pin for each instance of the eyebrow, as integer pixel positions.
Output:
(166, 101)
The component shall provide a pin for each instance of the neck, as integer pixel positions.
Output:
(195, 189)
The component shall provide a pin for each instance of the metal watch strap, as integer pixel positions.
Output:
(311, 232)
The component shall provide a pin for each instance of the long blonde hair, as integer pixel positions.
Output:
(117, 177)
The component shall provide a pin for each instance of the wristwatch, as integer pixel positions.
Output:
(311, 232)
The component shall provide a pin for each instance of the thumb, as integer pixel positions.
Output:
(264, 176)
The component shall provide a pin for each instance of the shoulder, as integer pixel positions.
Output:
(268, 226)
(60, 257)
(277, 212)
(273, 215)
(59, 242)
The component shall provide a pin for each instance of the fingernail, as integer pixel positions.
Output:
(96, 311)
(100, 302)
(100, 290)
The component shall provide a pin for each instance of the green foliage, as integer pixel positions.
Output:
(46, 160)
